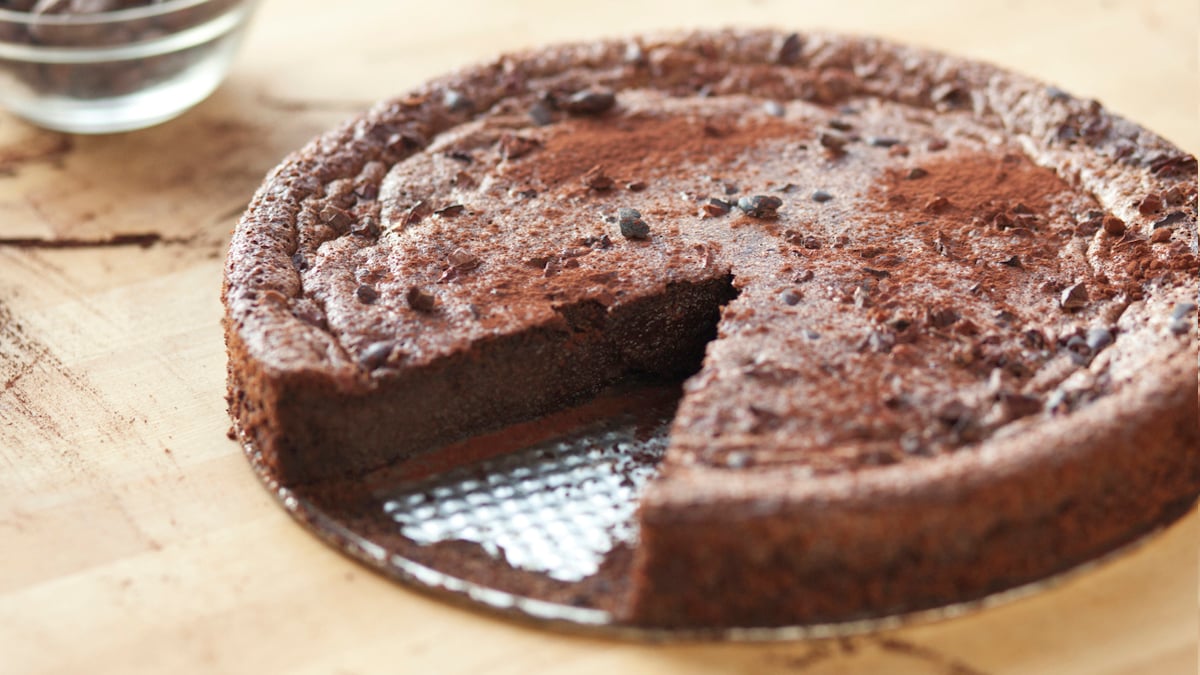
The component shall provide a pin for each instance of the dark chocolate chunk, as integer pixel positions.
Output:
(635, 186)
(336, 218)
(1074, 297)
(376, 355)
(716, 207)
(366, 294)
(832, 142)
(882, 141)
(789, 50)
(420, 299)
(589, 102)
(915, 173)
(774, 109)
(1181, 317)
(541, 114)
(1170, 219)
(1099, 338)
(1057, 94)
(631, 224)
(455, 101)
(760, 206)
(790, 297)
(821, 196)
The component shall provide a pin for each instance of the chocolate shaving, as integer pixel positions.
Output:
(449, 211)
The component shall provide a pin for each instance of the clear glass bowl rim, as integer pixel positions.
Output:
(102, 18)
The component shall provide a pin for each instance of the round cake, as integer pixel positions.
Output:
(937, 320)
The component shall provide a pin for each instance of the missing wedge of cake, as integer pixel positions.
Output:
(937, 320)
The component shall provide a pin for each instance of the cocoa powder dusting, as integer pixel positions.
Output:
(642, 146)
(973, 183)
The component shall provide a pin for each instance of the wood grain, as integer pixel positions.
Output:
(133, 537)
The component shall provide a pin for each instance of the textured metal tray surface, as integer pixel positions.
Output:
(555, 508)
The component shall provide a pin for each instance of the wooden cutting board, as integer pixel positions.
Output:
(133, 537)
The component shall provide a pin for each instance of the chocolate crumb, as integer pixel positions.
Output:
(461, 156)
(589, 102)
(938, 144)
(366, 294)
(785, 188)
(811, 243)
(1150, 204)
(821, 196)
(420, 299)
(1074, 297)
(840, 125)
(760, 206)
(1114, 226)
(635, 186)
(449, 211)
(790, 297)
(916, 173)
(631, 224)
(882, 141)
(1012, 261)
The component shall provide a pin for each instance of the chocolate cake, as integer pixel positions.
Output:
(937, 320)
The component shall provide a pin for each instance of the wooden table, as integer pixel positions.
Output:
(133, 537)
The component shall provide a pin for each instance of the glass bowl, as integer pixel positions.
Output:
(65, 66)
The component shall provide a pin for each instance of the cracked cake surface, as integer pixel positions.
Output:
(943, 315)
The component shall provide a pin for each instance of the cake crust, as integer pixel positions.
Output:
(953, 308)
